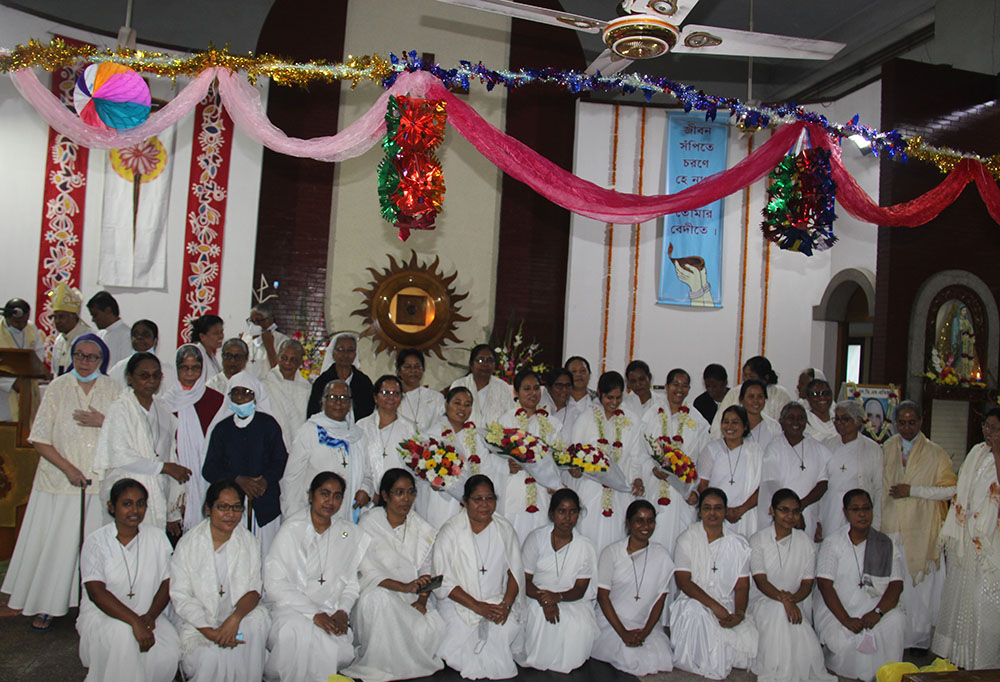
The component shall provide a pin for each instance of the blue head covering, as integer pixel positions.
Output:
(105, 353)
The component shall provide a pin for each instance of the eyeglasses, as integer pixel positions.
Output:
(223, 507)
(234, 356)
(789, 510)
(989, 428)
(259, 321)
(343, 349)
(821, 394)
(339, 398)
(86, 357)
(240, 392)
(388, 394)
(843, 420)
(489, 360)
(480, 500)
(562, 384)
(403, 492)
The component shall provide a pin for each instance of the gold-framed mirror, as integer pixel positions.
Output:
(411, 305)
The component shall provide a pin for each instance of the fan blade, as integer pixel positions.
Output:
(531, 13)
(673, 11)
(608, 63)
(727, 41)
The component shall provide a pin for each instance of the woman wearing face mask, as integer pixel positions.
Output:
(311, 584)
(42, 573)
(137, 442)
(247, 447)
(194, 405)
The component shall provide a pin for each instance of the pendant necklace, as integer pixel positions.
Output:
(861, 581)
(128, 572)
(635, 574)
(416, 412)
(729, 458)
(481, 557)
(322, 567)
(385, 441)
(801, 455)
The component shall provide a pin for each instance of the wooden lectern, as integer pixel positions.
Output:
(18, 459)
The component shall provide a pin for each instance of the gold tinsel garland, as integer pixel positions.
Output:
(373, 68)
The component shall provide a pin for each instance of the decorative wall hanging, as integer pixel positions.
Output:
(799, 213)
(411, 305)
(109, 95)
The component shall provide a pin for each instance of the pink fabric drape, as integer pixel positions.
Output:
(558, 185)
(55, 113)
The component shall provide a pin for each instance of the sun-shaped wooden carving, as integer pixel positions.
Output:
(411, 305)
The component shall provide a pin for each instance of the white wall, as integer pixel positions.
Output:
(23, 147)
(670, 336)
(466, 235)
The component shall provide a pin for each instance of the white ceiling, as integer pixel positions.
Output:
(874, 30)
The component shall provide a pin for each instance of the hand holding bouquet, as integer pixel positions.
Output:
(434, 461)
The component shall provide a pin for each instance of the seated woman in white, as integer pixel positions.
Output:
(124, 634)
(215, 586)
(860, 577)
(137, 442)
(633, 577)
(712, 568)
(385, 429)
(782, 563)
(395, 573)
(477, 554)
(733, 464)
(310, 586)
(559, 572)
(435, 505)
(522, 498)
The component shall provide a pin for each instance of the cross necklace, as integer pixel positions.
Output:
(481, 557)
(128, 572)
(801, 454)
(322, 568)
(385, 441)
(635, 574)
(732, 470)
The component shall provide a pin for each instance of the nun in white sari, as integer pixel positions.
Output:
(124, 633)
(395, 573)
(328, 442)
(633, 580)
(215, 586)
(477, 553)
(733, 464)
(560, 568)
(137, 442)
(311, 584)
(782, 563)
(385, 429)
(711, 635)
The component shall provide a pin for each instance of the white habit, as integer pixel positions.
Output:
(489, 403)
(737, 473)
(800, 469)
(857, 464)
(107, 646)
(422, 406)
(382, 444)
(289, 400)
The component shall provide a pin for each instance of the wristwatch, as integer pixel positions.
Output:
(879, 611)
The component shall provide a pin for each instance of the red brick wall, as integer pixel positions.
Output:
(939, 103)
(293, 227)
(534, 233)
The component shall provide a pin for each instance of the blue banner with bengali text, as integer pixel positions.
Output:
(691, 265)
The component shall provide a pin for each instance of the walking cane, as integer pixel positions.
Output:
(79, 553)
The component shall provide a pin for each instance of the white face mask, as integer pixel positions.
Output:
(254, 330)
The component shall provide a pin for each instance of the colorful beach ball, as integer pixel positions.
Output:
(111, 96)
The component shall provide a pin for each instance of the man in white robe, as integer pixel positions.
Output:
(263, 340)
(797, 462)
(117, 335)
(16, 331)
(856, 463)
(65, 304)
(857, 612)
(917, 483)
(288, 390)
(305, 574)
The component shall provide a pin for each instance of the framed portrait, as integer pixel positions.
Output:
(879, 403)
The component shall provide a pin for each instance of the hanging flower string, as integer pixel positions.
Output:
(799, 213)
(410, 178)
(376, 68)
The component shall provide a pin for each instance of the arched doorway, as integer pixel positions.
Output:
(848, 304)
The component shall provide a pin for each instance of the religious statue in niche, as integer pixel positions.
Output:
(411, 305)
(954, 360)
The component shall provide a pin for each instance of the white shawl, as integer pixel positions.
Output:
(971, 524)
(455, 559)
(125, 450)
(194, 591)
(388, 557)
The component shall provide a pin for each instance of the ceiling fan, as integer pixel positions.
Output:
(651, 28)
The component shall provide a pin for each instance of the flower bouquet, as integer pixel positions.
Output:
(582, 456)
(671, 460)
(434, 462)
(529, 451)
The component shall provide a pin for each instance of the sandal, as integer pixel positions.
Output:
(42, 623)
